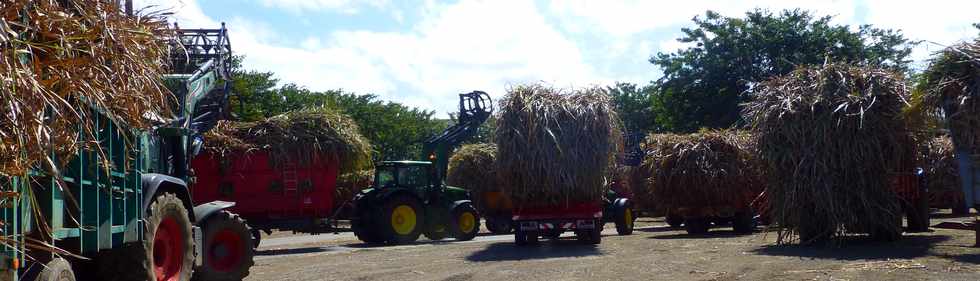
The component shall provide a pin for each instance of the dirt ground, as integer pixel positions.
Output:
(653, 252)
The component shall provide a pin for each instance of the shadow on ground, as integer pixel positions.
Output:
(860, 248)
(656, 229)
(298, 251)
(508, 251)
(720, 233)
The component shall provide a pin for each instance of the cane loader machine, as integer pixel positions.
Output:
(121, 209)
(410, 198)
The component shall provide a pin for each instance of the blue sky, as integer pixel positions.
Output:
(422, 53)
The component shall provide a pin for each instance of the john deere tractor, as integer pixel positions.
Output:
(410, 198)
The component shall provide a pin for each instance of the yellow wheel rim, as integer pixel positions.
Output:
(466, 222)
(403, 220)
(629, 217)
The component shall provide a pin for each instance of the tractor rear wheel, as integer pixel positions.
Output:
(166, 252)
(228, 248)
(696, 226)
(624, 220)
(465, 222)
(401, 220)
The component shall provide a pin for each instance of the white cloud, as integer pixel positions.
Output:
(343, 6)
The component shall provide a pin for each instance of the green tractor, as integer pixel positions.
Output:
(410, 198)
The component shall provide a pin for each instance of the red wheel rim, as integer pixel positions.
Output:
(168, 250)
(225, 250)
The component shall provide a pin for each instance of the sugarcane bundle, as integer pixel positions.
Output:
(64, 60)
(350, 183)
(472, 167)
(952, 85)
(830, 139)
(940, 166)
(555, 147)
(302, 135)
(706, 169)
(655, 147)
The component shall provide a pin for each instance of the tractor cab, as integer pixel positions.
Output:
(405, 174)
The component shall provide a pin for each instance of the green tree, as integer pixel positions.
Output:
(704, 84)
(634, 105)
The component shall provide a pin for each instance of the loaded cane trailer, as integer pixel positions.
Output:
(122, 205)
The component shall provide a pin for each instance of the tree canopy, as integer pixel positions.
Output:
(704, 84)
(396, 131)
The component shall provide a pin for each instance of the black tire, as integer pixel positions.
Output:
(136, 261)
(697, 226)
(590, 236)
(744, 223)
(961, 210)
(366, 231)
(229, 251)
(58, 269)
(465, 222)
(673, 220)
(917, 215)
(523, 238)
(624, 220)
(499, 225)
(409, 225)
(256, 238)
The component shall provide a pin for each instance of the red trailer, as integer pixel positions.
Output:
(584, 218)
(280, 194)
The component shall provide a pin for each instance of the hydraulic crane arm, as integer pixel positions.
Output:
(474, 109)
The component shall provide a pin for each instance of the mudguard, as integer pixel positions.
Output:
(154, 183)
(460, 202)
(206, 210)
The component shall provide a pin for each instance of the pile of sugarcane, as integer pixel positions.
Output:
(705, 169)
(952, 84)
(303, 136)
(472, 167)
(830, 139)
(655, 147)
(348, 185)
(555, 147)
(940, 167)
(61, 61)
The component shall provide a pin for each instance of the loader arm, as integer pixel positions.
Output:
(474, 109)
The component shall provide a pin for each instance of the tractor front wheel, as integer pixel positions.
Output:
(228, 248)
(166, 252)
(465, 222)
(402, 220)
(624, 220)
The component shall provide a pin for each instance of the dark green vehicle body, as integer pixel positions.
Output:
(415, 180)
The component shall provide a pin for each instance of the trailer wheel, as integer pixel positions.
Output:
(591, 236)
(624, 220)
(256, 238)
(961, 210)
(499, 225)
(673, 220)
(744, 222)
(57, 269)
(697, 226)
(402, 220)
(465, 222)
(525, 238)
(228, 248)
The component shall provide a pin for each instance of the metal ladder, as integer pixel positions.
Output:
(290, 179)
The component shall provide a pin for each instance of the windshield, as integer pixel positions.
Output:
(409, 176)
